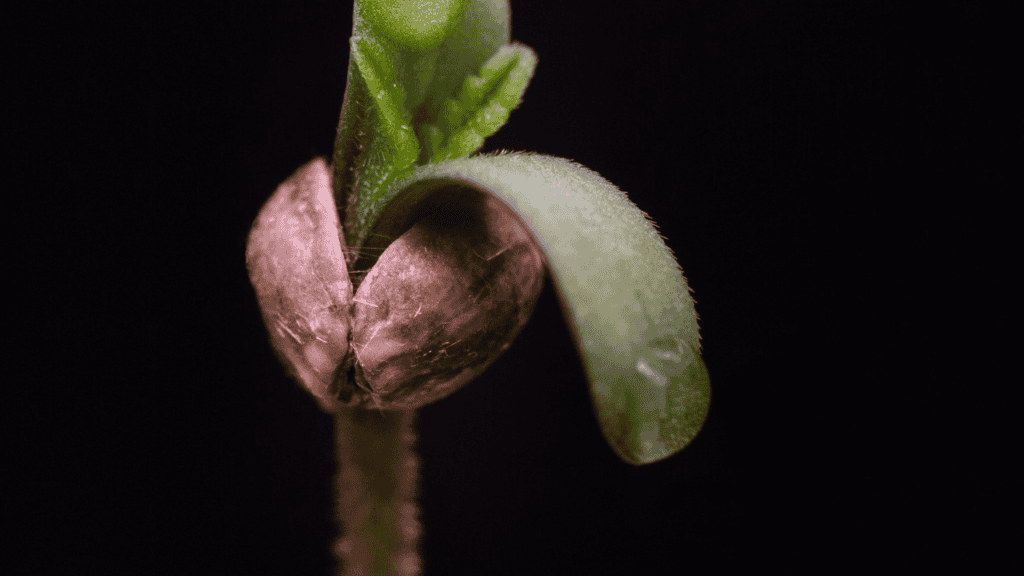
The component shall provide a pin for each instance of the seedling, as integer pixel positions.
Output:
(455, 249)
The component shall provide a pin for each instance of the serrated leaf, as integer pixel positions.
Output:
(362, 153)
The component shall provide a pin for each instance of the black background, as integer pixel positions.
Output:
(815, 166)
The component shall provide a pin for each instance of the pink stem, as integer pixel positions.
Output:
(377, 493)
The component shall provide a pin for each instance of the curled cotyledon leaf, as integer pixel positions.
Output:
(622, 290)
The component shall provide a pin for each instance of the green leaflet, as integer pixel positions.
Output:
(399, 80)
(483, 104)
(622, 290)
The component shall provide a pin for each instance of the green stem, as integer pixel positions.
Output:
(377, 493)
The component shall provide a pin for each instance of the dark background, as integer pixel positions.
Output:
(816, 167)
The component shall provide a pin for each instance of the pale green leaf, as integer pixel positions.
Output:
(622, 291)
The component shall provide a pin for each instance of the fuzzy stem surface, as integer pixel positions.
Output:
(377, 491)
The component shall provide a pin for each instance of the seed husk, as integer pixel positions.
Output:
(443, 301)
(297, 268)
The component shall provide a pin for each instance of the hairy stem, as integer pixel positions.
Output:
(377, 493)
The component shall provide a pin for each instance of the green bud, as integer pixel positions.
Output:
(419, 24)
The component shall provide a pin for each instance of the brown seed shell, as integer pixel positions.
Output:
(297, 267)
(443, 301)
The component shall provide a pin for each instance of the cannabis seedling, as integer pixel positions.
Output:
(441, 260)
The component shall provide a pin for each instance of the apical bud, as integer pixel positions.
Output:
(297, 267)
(443, 301)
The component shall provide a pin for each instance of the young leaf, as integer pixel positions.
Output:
(399, 78)
(622, 291)
(483, 105)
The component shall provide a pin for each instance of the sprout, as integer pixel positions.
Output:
(474, 237)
